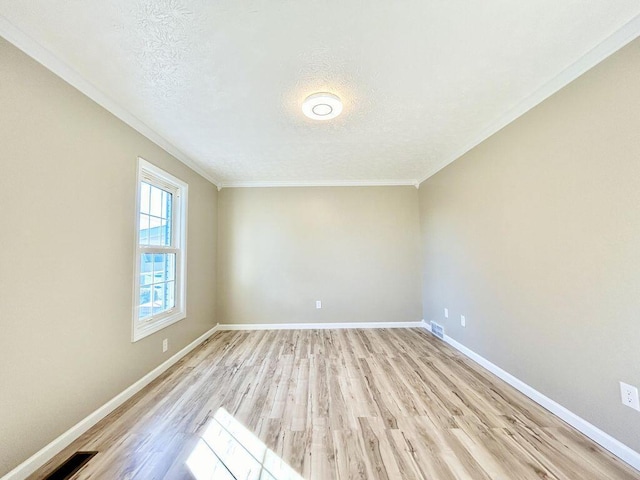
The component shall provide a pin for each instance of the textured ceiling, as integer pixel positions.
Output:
(223, 81)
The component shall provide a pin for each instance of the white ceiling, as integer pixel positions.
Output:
(222, 82)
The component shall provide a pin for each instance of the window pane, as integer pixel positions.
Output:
(167, 199)
(145, 302)
(159, 273)
(168, 234)
(158, 296)
(156, 202)
(164, 204)
(144, 229)
(146, 279)
(171, 294)
(169, 217)
(155, 233)
(146, 264)
(163, 235)
(145, 191)
(171, 266)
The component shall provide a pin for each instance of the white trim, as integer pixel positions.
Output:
(318, 326)
(46, 58)
(614, 42)
(607, 47)
(41, 457)
(320, 183)
(614, 446)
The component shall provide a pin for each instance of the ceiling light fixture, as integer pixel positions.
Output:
(322, 106)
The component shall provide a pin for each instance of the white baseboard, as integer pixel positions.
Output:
(41, 457)
(616, 447)
(318, 326)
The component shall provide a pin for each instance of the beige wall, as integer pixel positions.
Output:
(534, 235)
(67, 188)
(355, 249)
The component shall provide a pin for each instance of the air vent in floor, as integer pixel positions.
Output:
(437, 330)
(74, 463)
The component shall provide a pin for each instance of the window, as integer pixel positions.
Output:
(160, 283)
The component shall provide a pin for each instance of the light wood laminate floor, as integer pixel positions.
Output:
(335, 404)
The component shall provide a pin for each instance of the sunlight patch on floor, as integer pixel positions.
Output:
(227, 451)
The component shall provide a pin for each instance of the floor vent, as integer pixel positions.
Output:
(437, 330)
(74, 463)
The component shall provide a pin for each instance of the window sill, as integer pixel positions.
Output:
(142, 330)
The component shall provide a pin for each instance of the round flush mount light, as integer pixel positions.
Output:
(322, 106)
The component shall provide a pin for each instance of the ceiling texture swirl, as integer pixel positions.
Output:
(220, 84)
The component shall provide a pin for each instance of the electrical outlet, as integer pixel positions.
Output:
(629, 395)
(318, 304)
(463, 321)
(165, 345)
(446, 313)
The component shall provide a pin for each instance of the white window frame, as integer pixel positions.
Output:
(153, 175)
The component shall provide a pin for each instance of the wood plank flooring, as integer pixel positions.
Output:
(335, 404)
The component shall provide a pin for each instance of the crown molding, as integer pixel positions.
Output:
(628, 32)
(320, 183)
(611, 44)
(46, 58)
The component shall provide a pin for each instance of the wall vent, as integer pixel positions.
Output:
(71, 465)
(437, 330)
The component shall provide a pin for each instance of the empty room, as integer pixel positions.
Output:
(294, 240)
